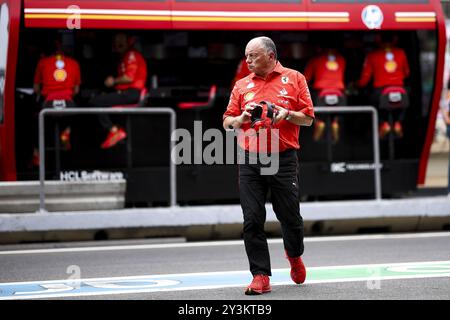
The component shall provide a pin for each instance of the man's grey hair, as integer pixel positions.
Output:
(269, 45)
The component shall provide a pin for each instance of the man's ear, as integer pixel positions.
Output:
(272, 55)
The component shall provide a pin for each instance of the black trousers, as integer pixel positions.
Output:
(50, 122)
(106, 100)
(253, 190)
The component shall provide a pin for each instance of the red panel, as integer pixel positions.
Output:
(93, 14)
(257, 16)
(7, 141)
(442, 40)
(242, 16)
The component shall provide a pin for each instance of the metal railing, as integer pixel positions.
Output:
(375, 136)
(72, 111)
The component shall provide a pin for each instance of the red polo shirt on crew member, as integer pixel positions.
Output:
(57, 75)
(389, 67)
(133, 65)
(326, 71)
(284, 87)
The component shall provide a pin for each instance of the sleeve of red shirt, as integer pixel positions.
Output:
(131, 65)
(234, 107)
(38, 73)
(305, 104)
(366, 73)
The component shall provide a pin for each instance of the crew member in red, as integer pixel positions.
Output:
(288, 91)
(325, 74)
(57, 77)
(130, 80)
(56, 81)
(386, 66)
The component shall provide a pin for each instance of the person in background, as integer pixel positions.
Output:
(325, 73)
(131, 78)
(57, 80)
(388, 66)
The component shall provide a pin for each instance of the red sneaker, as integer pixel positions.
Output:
(385, 128)
(298, 270)
(65, 139)
(398, 129)
(115, 135)
(259, 285)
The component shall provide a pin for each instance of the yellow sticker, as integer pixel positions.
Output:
(60, 75)
(332, 65)
(390, 66)
(249, 96)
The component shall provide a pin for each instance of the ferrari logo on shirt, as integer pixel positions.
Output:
(60, 75)
(284, 80)
(249, 96)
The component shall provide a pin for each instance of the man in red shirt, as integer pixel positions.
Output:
(130, 80)
(56, 81)
(325, 73)
(388, 66)
(288, 91)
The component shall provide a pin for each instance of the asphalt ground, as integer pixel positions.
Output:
(157, 270)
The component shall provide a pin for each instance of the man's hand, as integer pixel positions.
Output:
(281, 114)
(109, 82)
(236, 122)
(246, 115)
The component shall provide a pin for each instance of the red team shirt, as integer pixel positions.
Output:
(327, 71)
(133, 65)
(389, 67)
(57, 75)
(284, 87)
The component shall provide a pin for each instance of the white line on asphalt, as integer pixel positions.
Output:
(237, 285)
(222, 286)
(226, 243)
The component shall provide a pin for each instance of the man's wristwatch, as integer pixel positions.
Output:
(289, 116)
